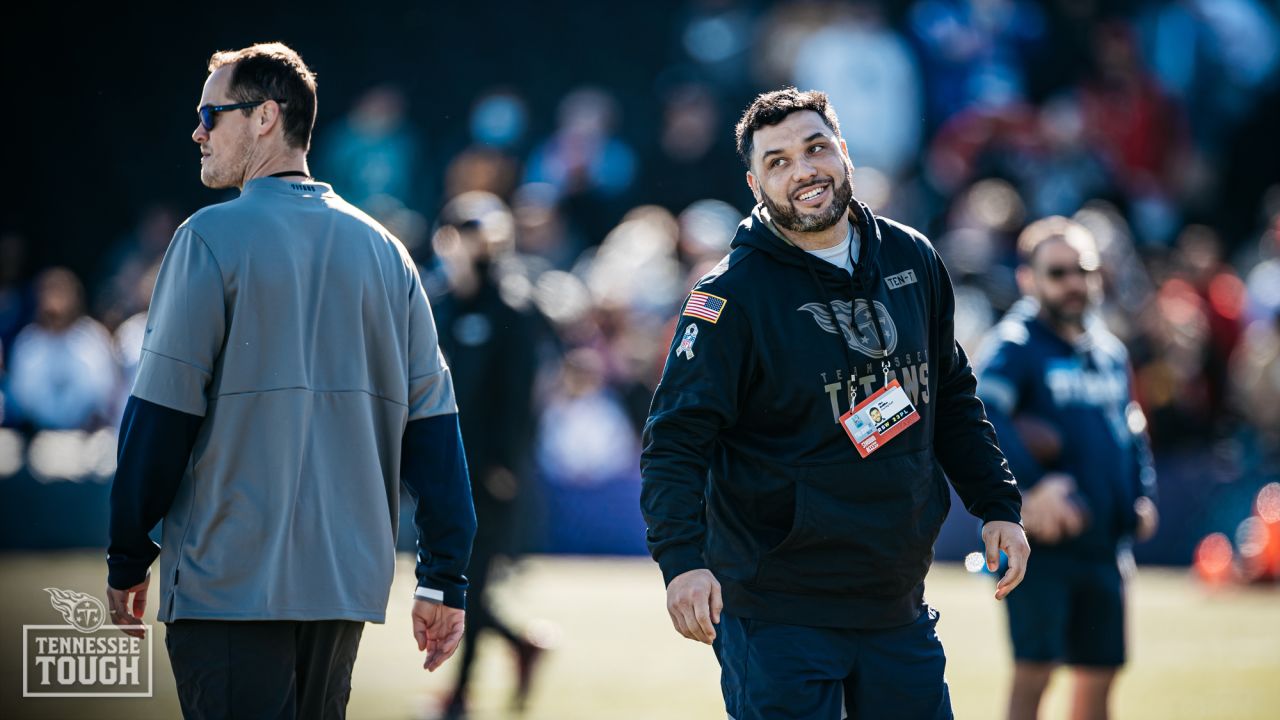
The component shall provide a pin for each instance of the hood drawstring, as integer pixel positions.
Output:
(858, 294)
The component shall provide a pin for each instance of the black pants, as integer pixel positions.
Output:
(770, 671)
(479, 611)
(263, 669)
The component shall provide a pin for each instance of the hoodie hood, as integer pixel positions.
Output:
(758, 231)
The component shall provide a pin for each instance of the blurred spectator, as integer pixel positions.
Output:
(17, 303)
(585, 437)
(1065, 171)
(128, 343)
(1255, 381)
(716, 36)
(1222, 296)
(1129, 288)
(1262, 285)
(481, 169)
(706, 229)
(873, 79)
(636, 265)
(492, 348)
(975, 52)
(587, 457)
(782, 34)
(591, 168)
(62, 373)
(491, 164)
(695, 157)
(981, 141)
(371, 157)
(541, 228)
(1139, 130)
(1214, 55)
(1172, 384)
(499, 119)
(129, 260)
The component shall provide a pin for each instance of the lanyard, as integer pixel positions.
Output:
(853, 327)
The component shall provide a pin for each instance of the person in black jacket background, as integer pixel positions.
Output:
(799, 556)
(492, 346)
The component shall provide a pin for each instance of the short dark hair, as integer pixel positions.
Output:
(773, 107)
(274, 71)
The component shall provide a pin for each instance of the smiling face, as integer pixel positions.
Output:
(800, 170)
(225, 150)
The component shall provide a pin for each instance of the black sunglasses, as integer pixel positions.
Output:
(209, 112)
(1058, 272)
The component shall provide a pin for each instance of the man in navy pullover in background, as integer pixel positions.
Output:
(1056, 385)
(290, 379)
(800, 559)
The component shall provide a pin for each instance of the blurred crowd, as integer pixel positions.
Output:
(1152, 123)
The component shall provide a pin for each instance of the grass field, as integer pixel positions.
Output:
(1195, 653)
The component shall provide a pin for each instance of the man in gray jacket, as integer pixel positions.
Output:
(290, 378)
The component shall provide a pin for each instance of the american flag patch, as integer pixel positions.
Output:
(705, 306)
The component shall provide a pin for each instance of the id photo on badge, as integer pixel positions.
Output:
(859, 427)
(879, 418)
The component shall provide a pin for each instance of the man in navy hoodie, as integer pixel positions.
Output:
(793, 535)
(1056, 385)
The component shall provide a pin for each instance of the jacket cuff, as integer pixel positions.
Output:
(124, 573)
(452, 596)
(678, 560)
(1001, 512)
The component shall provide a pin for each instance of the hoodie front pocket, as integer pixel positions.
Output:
(860, 528)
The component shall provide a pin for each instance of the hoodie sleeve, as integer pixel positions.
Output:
(696, 399)
(964, 440)
(1001, 379)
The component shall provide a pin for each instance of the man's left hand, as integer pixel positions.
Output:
(438, 630)
(1003, 535)
(124, 612)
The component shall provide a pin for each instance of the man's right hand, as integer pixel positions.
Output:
(1048, 512)
(694, 604)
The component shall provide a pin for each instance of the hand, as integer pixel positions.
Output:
(1049, 513)
(438, 630)
(501, 483)
(1003, 535)
(694, 604)
(1148, 518)
(119, 606)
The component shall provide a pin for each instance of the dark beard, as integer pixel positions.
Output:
(788, 218)
(1059, 317)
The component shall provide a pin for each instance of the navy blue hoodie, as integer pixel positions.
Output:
(746, 469)
(1083, 391)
